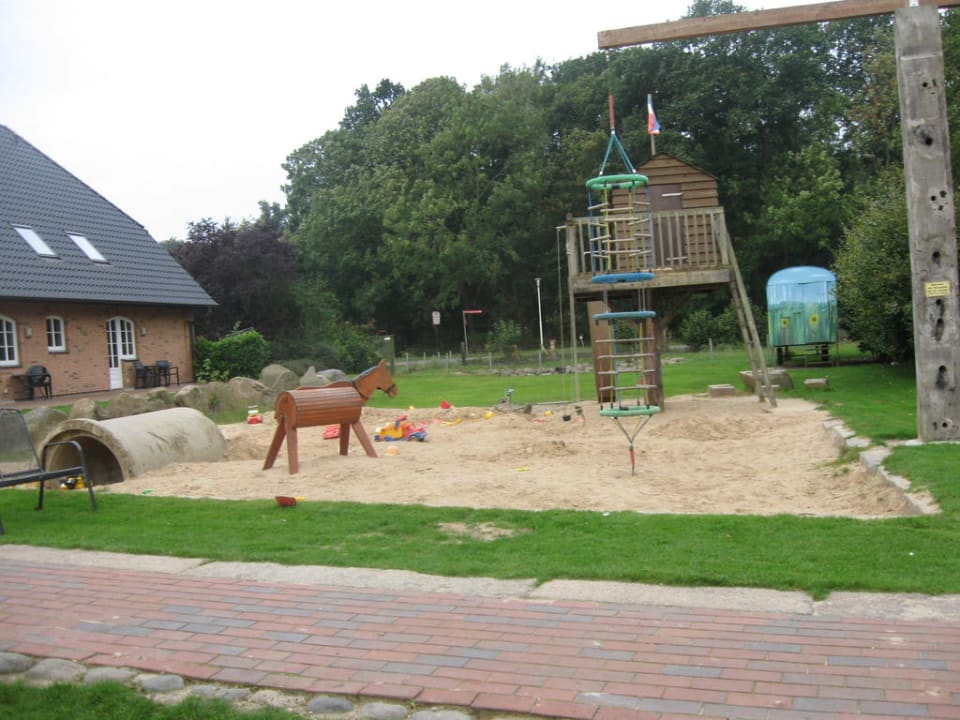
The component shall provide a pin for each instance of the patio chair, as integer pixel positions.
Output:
(39, 377)
(165, 371)
(143, 375)
(19, 463)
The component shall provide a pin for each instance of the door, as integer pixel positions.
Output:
(119, 347)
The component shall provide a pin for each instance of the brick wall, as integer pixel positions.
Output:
(160, 333)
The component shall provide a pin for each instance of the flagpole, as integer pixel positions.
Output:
(653, 127)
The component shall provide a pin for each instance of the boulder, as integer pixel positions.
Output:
(87, 408)
(311, 378)
(126, 404)
(208, 398)
(217, 397)
(159, 399)
(42, 421)
(334, 375)
(278, 378)
(191, 396)
(244, 392)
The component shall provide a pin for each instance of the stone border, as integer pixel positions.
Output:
(872, 457)
(170, 689)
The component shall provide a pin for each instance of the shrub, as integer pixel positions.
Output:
(356, 350)
(504, 337)
(240, 354)
(698, 328)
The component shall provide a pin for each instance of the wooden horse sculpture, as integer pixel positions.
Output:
(337, 403)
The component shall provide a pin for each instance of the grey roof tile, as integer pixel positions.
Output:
(36, 192)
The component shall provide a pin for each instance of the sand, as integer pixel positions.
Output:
(730, 455)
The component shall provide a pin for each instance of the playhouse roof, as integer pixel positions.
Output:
(801, 274)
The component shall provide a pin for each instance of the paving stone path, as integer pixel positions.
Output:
(387, 653)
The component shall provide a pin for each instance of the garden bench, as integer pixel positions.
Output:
(20, 464)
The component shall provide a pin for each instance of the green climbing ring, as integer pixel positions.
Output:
(613, 182)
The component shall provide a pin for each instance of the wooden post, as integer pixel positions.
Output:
(932, 221)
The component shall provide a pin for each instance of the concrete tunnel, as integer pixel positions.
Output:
(125, 447)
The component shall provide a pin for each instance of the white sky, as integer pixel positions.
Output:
(185, 109)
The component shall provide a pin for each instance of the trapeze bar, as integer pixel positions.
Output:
(610, 278)
(622, 411)
(628, 315)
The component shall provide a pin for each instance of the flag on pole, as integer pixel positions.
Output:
(653, 127)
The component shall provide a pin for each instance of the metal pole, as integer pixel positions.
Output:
(466, 348)
(540, 314)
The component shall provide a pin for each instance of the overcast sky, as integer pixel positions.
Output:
(185, 109)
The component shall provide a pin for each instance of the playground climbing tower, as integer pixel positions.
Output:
(653, 237)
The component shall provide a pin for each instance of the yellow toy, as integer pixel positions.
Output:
(401, 429)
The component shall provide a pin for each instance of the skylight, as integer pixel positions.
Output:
(88, 249)
(34, 241)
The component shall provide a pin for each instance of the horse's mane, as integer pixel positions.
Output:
(365, 373)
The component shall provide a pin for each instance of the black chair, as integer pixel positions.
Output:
(38, 377)
(165, 371)
(19, 463)
(143, 376)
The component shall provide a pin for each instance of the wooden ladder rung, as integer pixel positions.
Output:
(626, 387)
(623, 340)
(625, 356)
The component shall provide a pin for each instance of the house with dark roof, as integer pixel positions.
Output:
(85, 291)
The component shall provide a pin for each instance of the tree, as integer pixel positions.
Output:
(248, 269)
(874, 288)
(327, 161)
(803, 220)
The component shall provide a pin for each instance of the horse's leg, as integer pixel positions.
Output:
(364, 439)
(293, 460)
(275, 444)
(344, 438)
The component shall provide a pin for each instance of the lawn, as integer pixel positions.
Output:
(818, 555)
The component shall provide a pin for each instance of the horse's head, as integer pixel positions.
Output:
(385, 381)
(376, 378)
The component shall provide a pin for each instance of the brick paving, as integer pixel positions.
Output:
(560, 658)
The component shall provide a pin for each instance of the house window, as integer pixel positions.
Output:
(8, 342)
(127, 349)
(34, 241)
(88, 249)
(56, 340)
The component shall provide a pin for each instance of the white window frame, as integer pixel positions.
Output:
(87, 247)
(8, 342)
(36, 242)
(128, 345)
(56, 334)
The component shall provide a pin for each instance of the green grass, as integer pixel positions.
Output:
(114, 701)
(920, 554)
